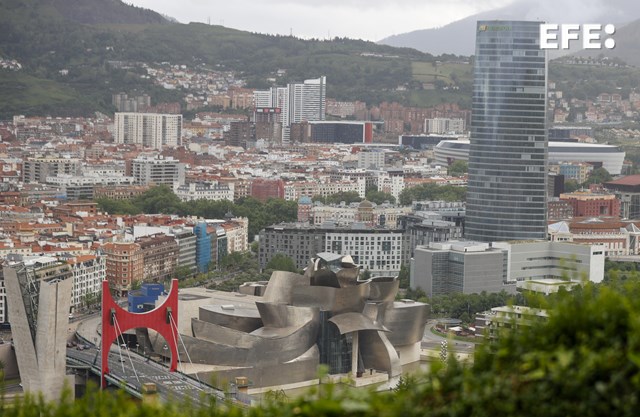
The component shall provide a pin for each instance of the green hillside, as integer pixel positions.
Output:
(81, 36)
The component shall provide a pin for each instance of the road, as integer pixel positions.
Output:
(134, 369)
(433, 341)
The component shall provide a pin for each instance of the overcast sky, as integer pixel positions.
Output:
(358, 19)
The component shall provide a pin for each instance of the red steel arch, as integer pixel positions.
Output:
(159, 319)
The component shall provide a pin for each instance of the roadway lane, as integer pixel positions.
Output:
(433, 341)
(136, 369)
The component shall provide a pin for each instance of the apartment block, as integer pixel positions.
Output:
(149, 130)
(156, 170)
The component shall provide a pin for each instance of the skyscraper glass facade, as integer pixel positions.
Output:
(506, 198)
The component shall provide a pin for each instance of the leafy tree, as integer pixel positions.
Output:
(161, 199)
(366, 274)
(432, 192)
(347, 196)
(183, 272)
(380, 197)
(571, 185)
(598, 176)
(281, 262)
(458, 168)
(403, 276)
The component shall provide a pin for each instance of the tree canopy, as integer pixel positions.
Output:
(458, 168)
(432, 192)
(347, 196)
(380, 197)
(598, 176)
(161, 199)
(281, 262)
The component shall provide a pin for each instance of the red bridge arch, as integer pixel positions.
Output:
(160, 319)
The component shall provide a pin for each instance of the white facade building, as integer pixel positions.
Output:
(157, 170)
(204, 191)
(149, 130)
(441, 125)
(371, 159)
(88, 273)
(298, 102)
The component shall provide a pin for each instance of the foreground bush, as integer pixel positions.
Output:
(584, 361)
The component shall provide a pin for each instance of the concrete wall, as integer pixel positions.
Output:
(41, 362)
(8, 358)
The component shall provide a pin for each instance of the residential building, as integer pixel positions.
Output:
(119, 192)
(203, 247)
(81, 187)
(4, 317)
(36, 170)
(159, 257)
(237, 231)
(213, 191)
(559, 209)
(88, 273)
(578, 171)
(297, 102)
(264, 189)
(124, 266)
(441, 125)
(382, 215)
(381, 251)
(187, 242)
(507, 184)
(371, 159)
(240, 133)
(493, 323)
(156, 170)
(149, 130)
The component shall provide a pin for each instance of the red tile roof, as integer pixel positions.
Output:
(627, 180)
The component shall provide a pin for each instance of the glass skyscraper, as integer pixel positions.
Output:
(506, 197)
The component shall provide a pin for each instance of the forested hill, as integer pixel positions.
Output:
(81, 36)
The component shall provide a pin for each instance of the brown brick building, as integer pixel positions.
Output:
(124, 266)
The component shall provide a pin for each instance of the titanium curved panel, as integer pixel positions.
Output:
(377, 352)
(406, 322)
(219, 345)
(352, 322)
(282, 315)
(336, 300)
(348, 277)
(281, 286)
(384, 289)
(324, 278)
(239, 318)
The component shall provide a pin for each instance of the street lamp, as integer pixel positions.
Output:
(165, 350)
(137, 348)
